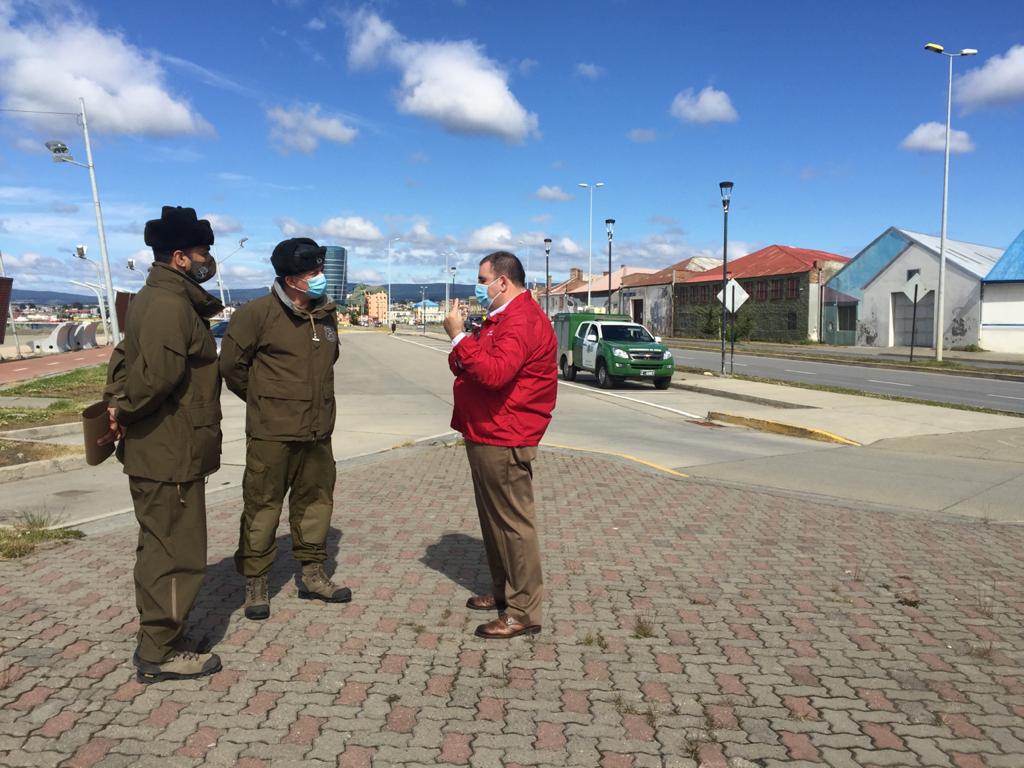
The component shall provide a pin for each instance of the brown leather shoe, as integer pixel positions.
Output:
(505, 627)
(485, 603)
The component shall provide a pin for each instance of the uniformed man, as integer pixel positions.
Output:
(163, 396)
(278, 355)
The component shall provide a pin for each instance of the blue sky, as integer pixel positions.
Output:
(466, 126)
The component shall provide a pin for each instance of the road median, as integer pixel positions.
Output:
(779, 428)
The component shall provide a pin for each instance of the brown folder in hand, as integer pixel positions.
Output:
(96, 424)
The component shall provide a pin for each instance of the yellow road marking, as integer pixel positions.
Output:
(626, 456)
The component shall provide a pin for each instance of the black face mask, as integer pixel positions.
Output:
(203, 272)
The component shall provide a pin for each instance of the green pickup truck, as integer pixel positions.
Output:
(612, 347)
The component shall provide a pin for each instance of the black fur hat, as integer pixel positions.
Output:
(297, 255)
(178, 229)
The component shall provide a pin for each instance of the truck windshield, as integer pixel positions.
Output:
(626, 333)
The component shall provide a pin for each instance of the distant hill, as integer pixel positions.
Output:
(19, 296)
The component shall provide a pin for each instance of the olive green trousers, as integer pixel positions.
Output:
(170, 560)
(305, 472)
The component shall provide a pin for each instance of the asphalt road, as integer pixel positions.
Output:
(937, 387)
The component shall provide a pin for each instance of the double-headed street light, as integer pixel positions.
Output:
(609, 225)
(80, 253)
(940, 325)
(61, 154)
(590, 234)
(725, 187)
(547, 276)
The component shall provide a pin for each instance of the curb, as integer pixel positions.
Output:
(43, 433)
(738, 396)
(780, 428)
(33, 469)
(869, 362)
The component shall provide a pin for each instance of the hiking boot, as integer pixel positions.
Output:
(316, 585)
(257, 599)
(183, 665)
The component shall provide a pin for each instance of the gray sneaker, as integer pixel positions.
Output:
(257, 598)
(183, 665)
(317, 585)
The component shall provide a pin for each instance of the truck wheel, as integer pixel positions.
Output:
(568, 371)
(662, 383)
(604, 379)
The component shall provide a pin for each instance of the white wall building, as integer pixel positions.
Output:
(1002, 303)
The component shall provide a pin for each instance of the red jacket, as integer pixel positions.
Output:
(506, 377)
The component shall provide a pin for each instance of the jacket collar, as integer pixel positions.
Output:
(170, 279)
(323, 306)
(506, 309)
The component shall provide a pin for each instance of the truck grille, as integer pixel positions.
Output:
(645, 354)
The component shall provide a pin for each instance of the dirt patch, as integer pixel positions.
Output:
(20, 452)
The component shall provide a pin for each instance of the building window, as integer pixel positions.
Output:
(912, 272)
(761, 290)
(791, 321)
(776, 289)
(792, 288)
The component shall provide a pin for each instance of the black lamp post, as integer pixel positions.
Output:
(547, 276)
(610, 226)
(726, 189)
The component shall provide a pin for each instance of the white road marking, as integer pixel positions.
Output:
(805, 373)
(1007, 397)
(425, 346)
(79, 358)
(20, 369)
(591, 390)
(53, 363)
(890, 383)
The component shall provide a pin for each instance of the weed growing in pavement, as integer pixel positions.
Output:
(32, 529)
(591, 639)
(984, 603)
(623, 708)
(984, 651)
(651, 717)
(393, 697)
(643, 626)
(446, 614)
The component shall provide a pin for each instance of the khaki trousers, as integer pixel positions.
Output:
(306, 472)
(503, 485)
(170, 560)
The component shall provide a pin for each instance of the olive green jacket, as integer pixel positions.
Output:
(163, 380)
(280, 360)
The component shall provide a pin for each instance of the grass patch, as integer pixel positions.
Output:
(14, 452)
(591, 639)
(643, 626)
(75, 390)
(33, 529)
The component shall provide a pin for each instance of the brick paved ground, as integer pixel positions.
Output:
(687, 623)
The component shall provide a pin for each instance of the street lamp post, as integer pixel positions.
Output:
(725, 188)
(10, 312)
(590, 235)
(220, 282)
(423, 308)
(80, 251)
(547, 276)
(609, 225)
(391, 242)
(940, 325)
(527, 271)
(61, 155)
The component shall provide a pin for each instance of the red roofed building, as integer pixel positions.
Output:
(648, 298)
(785, 287)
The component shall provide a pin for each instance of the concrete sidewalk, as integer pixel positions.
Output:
(687, 623)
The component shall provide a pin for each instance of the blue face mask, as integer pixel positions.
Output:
(480, 290)
(316, 286)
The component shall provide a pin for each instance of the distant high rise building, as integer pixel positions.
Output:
(336, 272)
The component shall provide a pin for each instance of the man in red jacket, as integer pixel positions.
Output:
(505, 385)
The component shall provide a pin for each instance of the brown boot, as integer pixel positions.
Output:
(257, 598)
(485, 603)
(317, 585)
(505, 627)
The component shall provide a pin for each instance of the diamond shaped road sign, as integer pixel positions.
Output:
(736, 296)
(908, 287)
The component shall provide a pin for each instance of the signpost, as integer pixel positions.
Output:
(911, 289)
(737, 296)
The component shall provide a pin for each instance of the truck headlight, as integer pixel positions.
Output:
(666, 355)
(620, 353)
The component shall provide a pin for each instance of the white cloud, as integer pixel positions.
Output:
(47, 65)
(552, 193)
(497, 235)
(999, 81)
(339, 228)
(642, 135)
(526, 66)
(301, 128)
(369, 276)
(541, 218)
(568, 246)
(59, 207)
(419, 233)
(931, 137)
(23, 261)
(316, 25)
(452, 83)
(222, 223)
(589, 71)
(708, 106)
